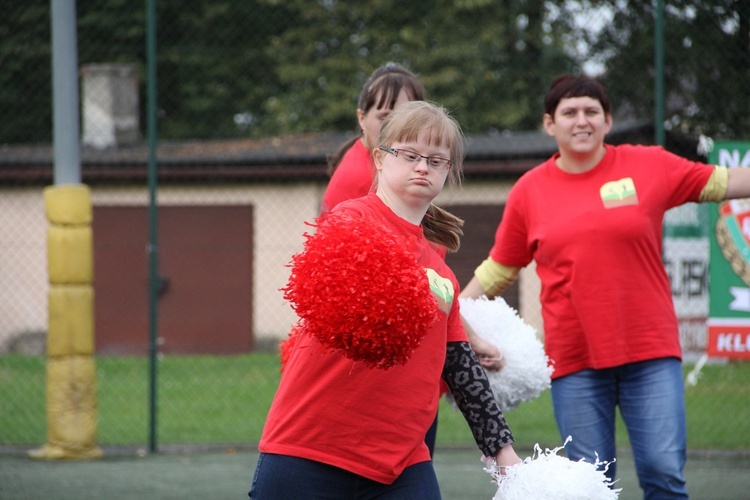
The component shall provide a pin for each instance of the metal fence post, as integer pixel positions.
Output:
(153, 246)
(659, 74)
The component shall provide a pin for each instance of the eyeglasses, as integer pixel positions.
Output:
(413, 158)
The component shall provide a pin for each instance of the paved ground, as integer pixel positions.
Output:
(226, 473)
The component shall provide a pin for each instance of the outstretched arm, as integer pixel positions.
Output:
(738, 183)
(474, 290)
(490, 279)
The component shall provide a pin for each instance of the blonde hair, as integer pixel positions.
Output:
(404, 124)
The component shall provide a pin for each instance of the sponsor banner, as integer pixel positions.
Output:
(685, 256)
(728, 339)
(729, 269)
(686, 261)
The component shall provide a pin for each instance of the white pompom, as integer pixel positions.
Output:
(548, 476)
(527, 368)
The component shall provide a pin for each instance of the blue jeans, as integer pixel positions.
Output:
(651, 397)
(431, 437)
(290, 478)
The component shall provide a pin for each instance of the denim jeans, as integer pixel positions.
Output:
(431, 437)
(290, 478)
(651, 397)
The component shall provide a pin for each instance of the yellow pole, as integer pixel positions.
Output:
(71, 371)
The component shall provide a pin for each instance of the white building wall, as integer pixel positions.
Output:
(280, 213)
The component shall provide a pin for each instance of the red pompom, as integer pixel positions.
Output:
(360, 292)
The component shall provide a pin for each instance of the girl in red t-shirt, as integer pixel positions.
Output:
(349, 417)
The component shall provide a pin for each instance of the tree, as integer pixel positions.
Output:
(232, 68)
(707, 62)
(212, 65)
(213, 70)
(26, 76)
(490, 62)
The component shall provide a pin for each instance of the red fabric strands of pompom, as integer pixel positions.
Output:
(360, 292)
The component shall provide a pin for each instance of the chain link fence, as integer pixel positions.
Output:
(252, 97)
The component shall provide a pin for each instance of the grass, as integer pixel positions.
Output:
(224, 399)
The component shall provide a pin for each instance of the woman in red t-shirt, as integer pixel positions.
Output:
(348, 424)
(353, 172)
(591, 218)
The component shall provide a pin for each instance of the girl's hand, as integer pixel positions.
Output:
(505, 458)
(488, 354)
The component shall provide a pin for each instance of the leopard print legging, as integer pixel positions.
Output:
(471, 390)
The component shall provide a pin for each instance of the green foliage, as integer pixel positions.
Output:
(225, 399)
(26, 75)
(706, 62)
(213, 65)
(263, 67)
(489, 62)
(234, 68)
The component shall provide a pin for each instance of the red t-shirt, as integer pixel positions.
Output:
(369, 421)
(596, 238)
(353, 178)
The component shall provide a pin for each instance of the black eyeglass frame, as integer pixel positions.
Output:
(395, 152)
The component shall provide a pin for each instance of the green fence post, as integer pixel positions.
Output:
(659, 74)
(153, 247)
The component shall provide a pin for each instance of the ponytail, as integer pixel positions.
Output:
(443, 228)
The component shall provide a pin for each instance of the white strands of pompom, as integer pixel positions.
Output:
(527, 368)
(548, 476)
